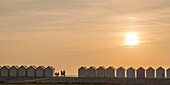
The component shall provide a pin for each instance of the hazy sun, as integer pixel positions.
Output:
(131, 39)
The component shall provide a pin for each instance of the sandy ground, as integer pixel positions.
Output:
(77, 81)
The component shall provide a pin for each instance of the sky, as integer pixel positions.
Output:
(68, 34)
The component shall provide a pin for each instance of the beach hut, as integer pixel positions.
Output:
(49, 71)
(101, 71)
(150, 73)
(140, 72)
(5, 71)
(82, 72)
(13, 71)
(120, 72)
(110, 72)
(160, 72)
(0, 71)
(168, 73)
(40, 71)
(22, 70)
(92, 71)
(131, 72)
(31, 71)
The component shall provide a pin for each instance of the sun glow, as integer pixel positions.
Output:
(132, 39)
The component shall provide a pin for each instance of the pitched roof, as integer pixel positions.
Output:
(121, 68)
(23, 66)
(40, 67)
(101, 67)
(131, 68)
(160, 68)
(150, 68)
(92, 67)
(14, 66)
(8, 67)
(32, 67)
(51, 67)
(168, 69)
(140, 68)
(83, 67)
(111, 67)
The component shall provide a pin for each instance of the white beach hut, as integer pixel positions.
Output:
(120, 72)
(92, 72)
(160, 72)
(5, 71)
(131, 72)
(49, 71)
(82, 72)
(13, 71)
(110, 72)
(101, 71)
(31, 71)
(40, 71)
(150, 73)
(22, 71)
(168, 73)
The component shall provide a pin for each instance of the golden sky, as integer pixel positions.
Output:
(68, 34)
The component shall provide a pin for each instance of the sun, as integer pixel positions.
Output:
(132, 39)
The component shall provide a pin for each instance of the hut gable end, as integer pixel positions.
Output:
(110, 72)
(82, 72)
(160, 72)
(121, 72)
(141, 72)
(49, 71)
(92, 72)
(40, 71)
(22, 71)
(5, 71)
(150, 73)
(13, 71)
(31, 71)
(131, 72)
(101, 71)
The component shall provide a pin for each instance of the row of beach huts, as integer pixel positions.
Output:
(24, 71)
(121, 72)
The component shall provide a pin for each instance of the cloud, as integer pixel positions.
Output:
(84, 15)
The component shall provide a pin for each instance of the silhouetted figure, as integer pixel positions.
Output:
(57, 74)
(63, 73)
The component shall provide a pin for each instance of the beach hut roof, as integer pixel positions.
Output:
(150, 68)
(23, 66)
(32, 67)
(140, 68)
(122, 68)
(160, 68)
(41, 67)
(131, 68)
(101, 67)
(51, 67)
(168, 69)
(83, 67)
(111, 67)
(93, 67)
(14, 66)
(8, 67)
